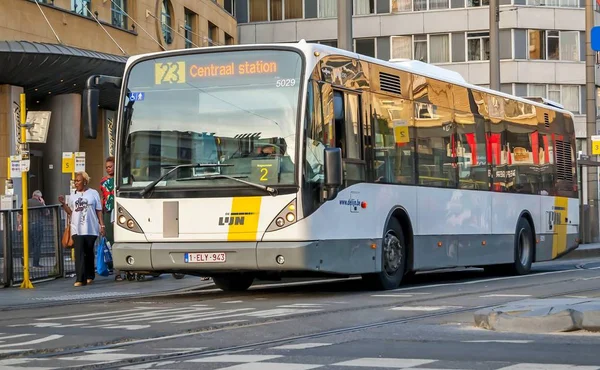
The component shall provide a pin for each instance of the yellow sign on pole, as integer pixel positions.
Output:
(68, 162)
(401, 133)
(595, 144)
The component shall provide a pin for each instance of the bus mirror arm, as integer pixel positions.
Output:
(333, 172)
(91, 101)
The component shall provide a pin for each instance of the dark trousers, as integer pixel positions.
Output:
(36, 233)
(84, 257)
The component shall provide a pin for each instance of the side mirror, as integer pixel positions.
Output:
(90, 101)
(334, 174)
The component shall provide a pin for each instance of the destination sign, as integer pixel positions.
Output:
(178, 72)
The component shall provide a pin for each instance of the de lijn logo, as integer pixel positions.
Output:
(237, 218)
(354, 203)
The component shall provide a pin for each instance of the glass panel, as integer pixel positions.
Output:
(293, 9)
(472, 3)
(471, 151)
(327, 8)
(568, 45)
(401, 6)
(118, 12)
(420, 5)
(352, 127)
(202, 108)
(362, 7)
(401, 47)
(554, 93)
(366, 47)
(537, 90)
(258, 11)
(570, 98)
(474, 49)
(438, 4)
(394, 140)
(439, 48)
(522, 144)
(537, 44)
(436, 146)
(553, 46)
(276, 10)
(421, 48)
(81, 7)
(166, 21)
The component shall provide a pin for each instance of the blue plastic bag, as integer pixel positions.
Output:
(101, 255)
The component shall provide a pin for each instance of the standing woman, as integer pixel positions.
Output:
(107, 194)
(85, 210)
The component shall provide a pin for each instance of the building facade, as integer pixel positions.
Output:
(48, 48)
(542, 42)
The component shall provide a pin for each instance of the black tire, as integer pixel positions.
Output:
(178, 276)
(524, 249)
(233, 282)
(393, 259)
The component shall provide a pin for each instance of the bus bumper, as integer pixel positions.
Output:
(323, 256)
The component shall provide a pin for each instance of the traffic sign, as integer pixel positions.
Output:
(595, 144)
(68, 162)
(595, 38)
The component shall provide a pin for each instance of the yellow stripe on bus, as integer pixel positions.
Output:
(245, 212)
(559, 239)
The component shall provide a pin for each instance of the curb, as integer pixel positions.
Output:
(538, 319)
(581, 254)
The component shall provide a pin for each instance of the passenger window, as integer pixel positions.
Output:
(394, 140)
(522, 145)
(546, 164)
(436, 146)
(471, 152)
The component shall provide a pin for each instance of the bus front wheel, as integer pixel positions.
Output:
(393, 255)
(233, 282)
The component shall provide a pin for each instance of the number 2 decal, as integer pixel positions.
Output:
(264, 173)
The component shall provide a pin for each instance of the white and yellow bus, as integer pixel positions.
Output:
(254, 161)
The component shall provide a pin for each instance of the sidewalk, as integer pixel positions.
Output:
(61, 291)
(590, 250)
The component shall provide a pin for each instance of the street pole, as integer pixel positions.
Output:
(344, 24)
(494, 45)
(26, 284)
(590, 82)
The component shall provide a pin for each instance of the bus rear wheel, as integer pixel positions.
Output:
(524, 248)
(393, 255)
(233, 282)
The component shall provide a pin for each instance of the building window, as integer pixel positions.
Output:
(332, 43)
(554, 3)
(81, 7)
(365, 47)
(229, 6)
(474, 3)
(167, 21)
(213, 35)
(401, 6)
(362, 7)
(118, 10)
(439, 48)
(554, 45)
(190, 28)
(478, 46)
(327, 8)
(275, 10)
(567, 95)
(420, 5)
(229, 40)
(420, 47)
(401, 47)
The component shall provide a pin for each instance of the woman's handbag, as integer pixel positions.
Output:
(67, 238)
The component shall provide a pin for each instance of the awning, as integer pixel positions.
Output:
(45, 70)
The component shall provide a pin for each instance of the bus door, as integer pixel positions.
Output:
(347, 134)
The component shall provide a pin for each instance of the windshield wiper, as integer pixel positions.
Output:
(151, 185)
(268, 189)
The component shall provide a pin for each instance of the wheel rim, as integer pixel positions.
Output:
(392, 253)
(524, 247)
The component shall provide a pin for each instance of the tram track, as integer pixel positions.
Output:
(126, 342)
(310, 336)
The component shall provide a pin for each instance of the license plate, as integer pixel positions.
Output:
(205, 257)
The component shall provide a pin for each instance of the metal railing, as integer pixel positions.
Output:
(47, 257)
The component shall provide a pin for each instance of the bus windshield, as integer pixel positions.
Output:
(235, 109)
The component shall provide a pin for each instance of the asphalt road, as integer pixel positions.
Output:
(426, 324)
